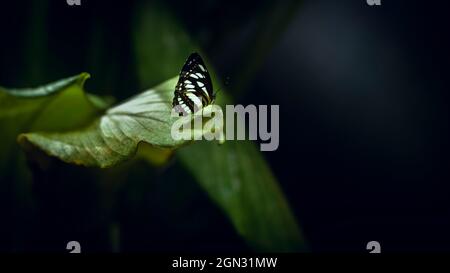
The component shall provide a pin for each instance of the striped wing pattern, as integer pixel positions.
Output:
(194, 88)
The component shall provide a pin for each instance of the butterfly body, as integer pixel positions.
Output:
(194, 88)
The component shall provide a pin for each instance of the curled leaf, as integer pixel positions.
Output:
(116, 135)
(58, 106)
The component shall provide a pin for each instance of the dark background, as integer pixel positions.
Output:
(364, 122)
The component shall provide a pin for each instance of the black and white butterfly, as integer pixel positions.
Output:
(194, 88)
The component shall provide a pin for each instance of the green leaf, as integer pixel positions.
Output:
(116, 135)
(161, 45)
(239, 180)
(234, 175)
(57, 106)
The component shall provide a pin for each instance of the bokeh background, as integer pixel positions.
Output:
(364, 127)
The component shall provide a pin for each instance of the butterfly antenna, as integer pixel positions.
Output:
(220, 89)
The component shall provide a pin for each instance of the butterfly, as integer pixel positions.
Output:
(194, 89)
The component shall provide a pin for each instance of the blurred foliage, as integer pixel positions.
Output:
(235, 175)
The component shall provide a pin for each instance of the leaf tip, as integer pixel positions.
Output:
(83, 77)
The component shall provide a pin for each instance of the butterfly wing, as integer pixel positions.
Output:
(194, 88)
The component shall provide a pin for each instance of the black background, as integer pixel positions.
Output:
(364, 122)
